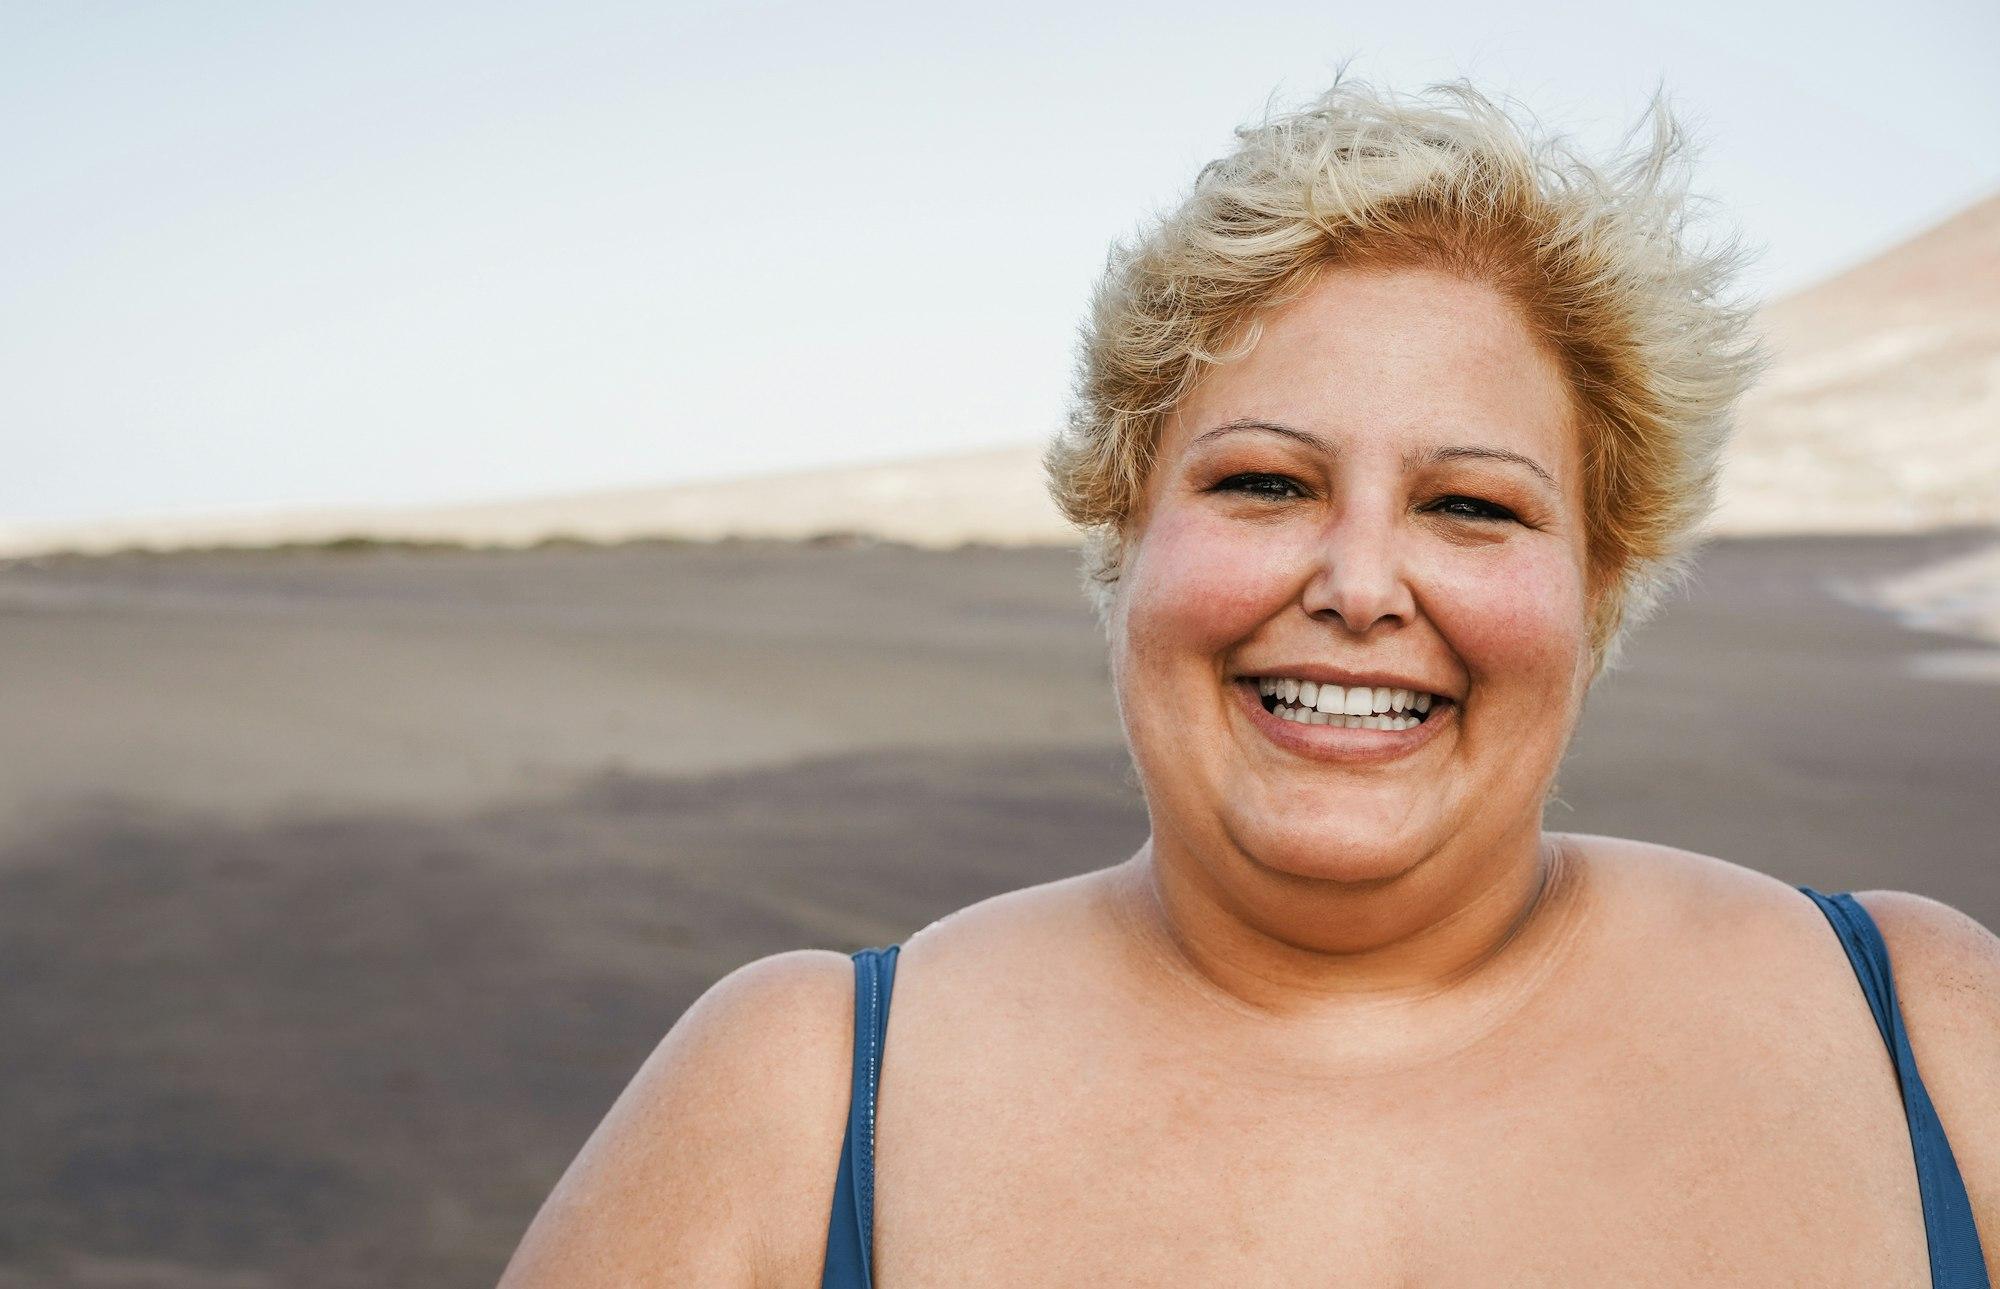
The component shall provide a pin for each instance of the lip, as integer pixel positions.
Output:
(1337, 743)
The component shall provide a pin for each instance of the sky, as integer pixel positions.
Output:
(275, 255)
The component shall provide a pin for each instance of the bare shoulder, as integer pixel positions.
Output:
(1654, 862)
(1946, 968)
(1947, 972)
(1711, 927)
(1691, 893)
(716, 1164)
(1939, 956)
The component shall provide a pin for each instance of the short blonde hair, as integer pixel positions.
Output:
(1596, 256)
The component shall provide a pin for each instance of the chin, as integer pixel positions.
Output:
(1331, 854)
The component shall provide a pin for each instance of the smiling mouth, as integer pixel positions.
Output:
(1358, 707)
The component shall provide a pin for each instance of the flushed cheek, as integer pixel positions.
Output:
(1200, 586)
(1516, 623)
(1189, 596)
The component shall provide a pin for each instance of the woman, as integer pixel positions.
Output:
(1383, 440)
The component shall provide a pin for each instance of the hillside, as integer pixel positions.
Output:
(1882, 411)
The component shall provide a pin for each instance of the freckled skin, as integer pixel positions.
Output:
(1362, 572)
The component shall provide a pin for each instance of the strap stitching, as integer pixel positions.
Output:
(874, 1066)
(864, 1150)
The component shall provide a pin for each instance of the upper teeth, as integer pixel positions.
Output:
(1359, 700)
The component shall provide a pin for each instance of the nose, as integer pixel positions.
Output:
(1359, 576)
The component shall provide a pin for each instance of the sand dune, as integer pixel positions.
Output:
(993, 497)
(1882, 411)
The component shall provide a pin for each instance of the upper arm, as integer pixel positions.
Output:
(1947, 972)
(716, 1164)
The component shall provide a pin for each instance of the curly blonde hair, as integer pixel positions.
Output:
(1596, 257)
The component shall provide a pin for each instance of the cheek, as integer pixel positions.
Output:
(1516, 615)
(1199, 583)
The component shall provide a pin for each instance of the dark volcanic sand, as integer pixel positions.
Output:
(340, 893)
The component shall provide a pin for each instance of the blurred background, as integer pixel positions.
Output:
(513, 511)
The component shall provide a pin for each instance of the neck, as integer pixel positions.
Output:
(1455, 943)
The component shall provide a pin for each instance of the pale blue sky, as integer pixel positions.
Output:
(263, 254)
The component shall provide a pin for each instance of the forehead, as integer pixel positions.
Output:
(1398, 358)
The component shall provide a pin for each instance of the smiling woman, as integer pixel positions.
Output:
(1384, 439)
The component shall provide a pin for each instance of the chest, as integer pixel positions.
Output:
(1628, 1155)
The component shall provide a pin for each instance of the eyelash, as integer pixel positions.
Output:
(1493, 512)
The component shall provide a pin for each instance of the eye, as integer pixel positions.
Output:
(1276, 487)
(1472, 508)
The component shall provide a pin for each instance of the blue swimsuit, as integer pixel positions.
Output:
(1956, 1259)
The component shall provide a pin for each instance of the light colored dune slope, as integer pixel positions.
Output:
(1882, 411)
(994, 497)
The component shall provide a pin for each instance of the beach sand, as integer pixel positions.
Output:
(342, 891)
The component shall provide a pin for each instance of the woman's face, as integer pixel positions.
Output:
(1360, 498)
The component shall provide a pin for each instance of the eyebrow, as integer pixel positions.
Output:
(1411, 460)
